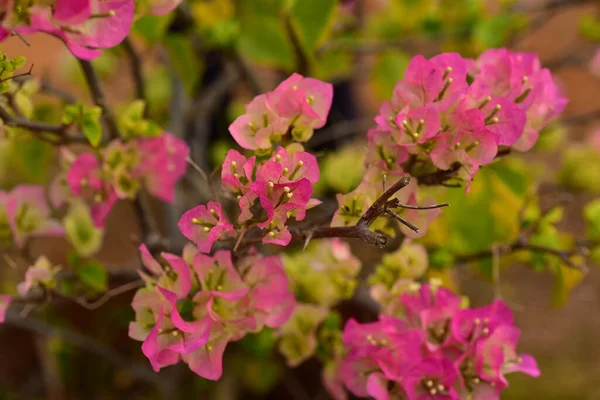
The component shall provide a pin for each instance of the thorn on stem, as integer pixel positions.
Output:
(431, 207)
(402, 220)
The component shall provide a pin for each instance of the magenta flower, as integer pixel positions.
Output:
(5, 301)
(431, 308)
(260, 126)
(156, 346)
(204, 225)
(496, 356)
(431, 379)
(28, 214)
(471, 324)
(305, 102)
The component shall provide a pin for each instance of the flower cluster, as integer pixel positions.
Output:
(24, 212)
(118, 171)
(454, 112)
(436, 350)
(296, 107)
(193, 305)
(274, 185)
(86, 26)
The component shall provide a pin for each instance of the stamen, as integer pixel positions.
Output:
(497, 108)
(278, 157)
(175, 333)
(234, 164)
(523, 96)
(272, 233)
(206, 229)
(219, 287)
(447, 72)
(286, 189)
(429, 383)
(420, 125)
(433, 391)
(213, 212)
(485, 102)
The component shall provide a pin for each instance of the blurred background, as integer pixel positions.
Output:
(202, 64)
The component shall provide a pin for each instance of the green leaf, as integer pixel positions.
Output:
(312, 19)
(389, 69)
(92, 130)
(81, 231)
(18, 61)
(153, 27)
(264, 40)
(183, 56)
(566, 279)
(591, 213)
(93, 274)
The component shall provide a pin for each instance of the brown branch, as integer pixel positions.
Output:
(98, 97)
(101, 350)
(135, 66)
(247, 73)
(361, 230)
(39, 128)
(302, 62)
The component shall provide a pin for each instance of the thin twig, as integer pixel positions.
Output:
(521, 246)
(39, 128)
(98, 97)
(127, 287)
(24, 74)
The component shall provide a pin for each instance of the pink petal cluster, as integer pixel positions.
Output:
(86, 26)
(26, 213)
(294, 110)
(268, 195)
(436, 351)
(189, 311)
(458, 112)
(120, 169)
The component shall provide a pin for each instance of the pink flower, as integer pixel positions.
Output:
(162, 7)
(283, 167)
(207, 361)
(204, 225)
(431, 379)
(218, 277)
(237, 172)
(594, 65)
(305, 102)
(5, 301)
(260, 126)
(28, 214)
(271, 300)
(41, 273)
(86, 180)
(163, 162)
